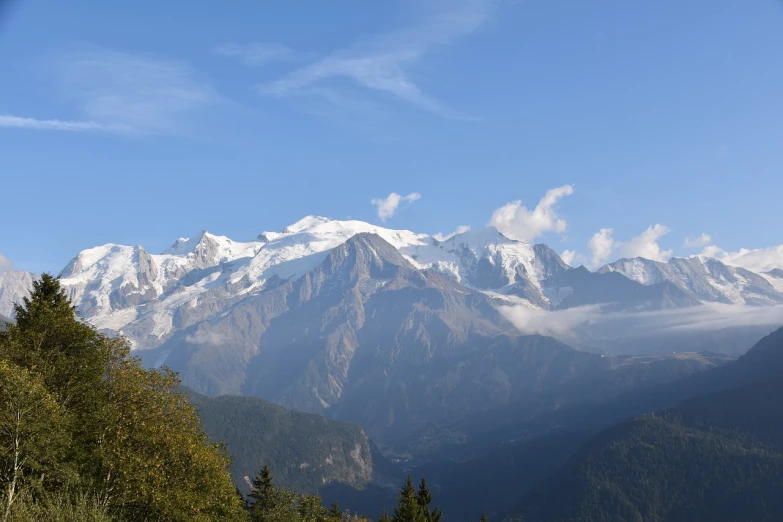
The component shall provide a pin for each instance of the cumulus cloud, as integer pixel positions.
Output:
(601, 245)
(5, 264)
(254, 53)
(756, 260)
(711, 251)
(460, 230)
(646, 244)
(696, 242)
(568, 256)
(516, 221)
(388, 206)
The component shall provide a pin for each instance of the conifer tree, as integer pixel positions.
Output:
(408, 508)
(424, 499)
(483, 517)
(334, 513)
(263, 494)
(131, 439)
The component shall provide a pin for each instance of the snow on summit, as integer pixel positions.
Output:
(148, 297)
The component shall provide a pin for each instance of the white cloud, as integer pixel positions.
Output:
(254, 53)
(19, 122)
(590, 326)
(388, 206)
(560, 324)
(646, 244)
(601, 245)
(514, 220)
(460, 230)
(383, 64)
(711, 251)
(204, 337)
(568, 256)
(757, 260)
(696, 242)
(5, 264)
(124, 93)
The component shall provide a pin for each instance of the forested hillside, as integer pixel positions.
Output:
(86, 433)
(717, 457)
(308, 453)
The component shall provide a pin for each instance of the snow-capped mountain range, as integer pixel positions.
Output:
(148, 296)
(390, 328)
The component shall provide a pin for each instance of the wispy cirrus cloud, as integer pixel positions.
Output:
(388, 206)
(384, 64)
(19, 122)
(123, 93)
(254, 54)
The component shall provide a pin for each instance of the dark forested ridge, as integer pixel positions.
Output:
(308, 453)
(715, 457)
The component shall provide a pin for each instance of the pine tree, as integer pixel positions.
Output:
(334, 513)
(424, 499)
(263, 494)
(483, 517)
(408, 508)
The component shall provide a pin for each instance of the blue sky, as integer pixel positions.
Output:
(140, 122)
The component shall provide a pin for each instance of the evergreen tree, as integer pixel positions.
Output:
(263, 495)
(408, 508)
(483, 517)
(103, 425)
(334, 513)
(424, 499)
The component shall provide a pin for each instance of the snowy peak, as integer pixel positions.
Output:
(15, 285)
(149, 297)
(305, 223)
(704, 278)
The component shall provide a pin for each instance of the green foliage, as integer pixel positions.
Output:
(60, 508)
(424, 499)
(408, 508)
(305, 450)
(78, 416)
(718, 457)
(273, 504)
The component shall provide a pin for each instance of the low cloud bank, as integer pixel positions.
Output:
(590, 325)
